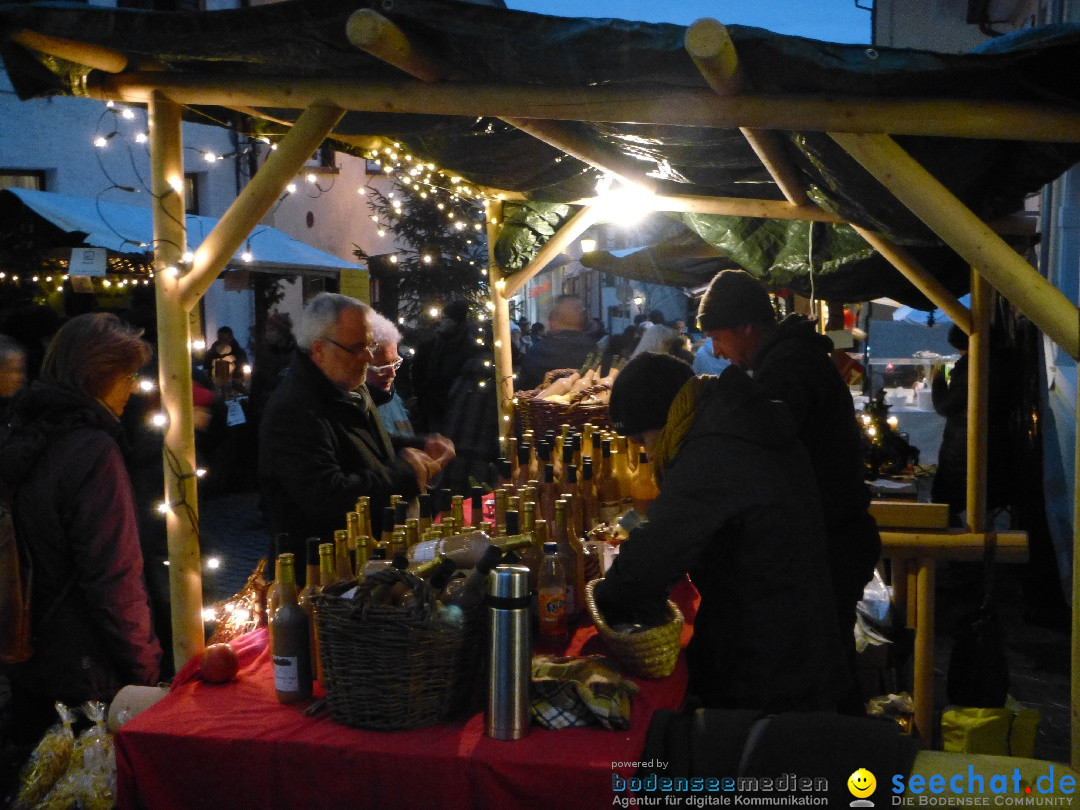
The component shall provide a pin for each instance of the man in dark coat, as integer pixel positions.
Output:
(566, 344)
(322, 443)
(738, 511)
(792, 363)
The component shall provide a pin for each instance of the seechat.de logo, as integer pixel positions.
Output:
(862, 784)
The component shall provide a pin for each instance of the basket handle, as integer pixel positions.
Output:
(588, 392)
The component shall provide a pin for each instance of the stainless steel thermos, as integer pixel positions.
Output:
(510, 654)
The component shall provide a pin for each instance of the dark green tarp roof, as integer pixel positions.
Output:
(481, 44)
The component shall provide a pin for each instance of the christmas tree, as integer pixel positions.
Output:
(438, 226)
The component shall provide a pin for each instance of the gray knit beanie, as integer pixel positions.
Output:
(734, 298)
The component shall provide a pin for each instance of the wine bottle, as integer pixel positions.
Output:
(457, 510)
(573, 565)
(327, 569)
(464, 549)
(470, 592)
(590, 507)
(477, 505)
(273, 592)
(425, 512)
(342, 563)
(643, 487)
(607, 487)
(306, 600)
(377, 562)
(292, 643)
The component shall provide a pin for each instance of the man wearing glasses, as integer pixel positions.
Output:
(322, 443)
(382, 375)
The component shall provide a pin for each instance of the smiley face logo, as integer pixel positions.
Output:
(861, 783)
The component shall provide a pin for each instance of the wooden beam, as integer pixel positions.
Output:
(374, 33)
(737, 206)
(257, 198)
(81, 53)
(1045, 305)
(710, 46)
(978, 402)
(952, 545)
(918, 275)
(570, 230)
(500, 325)
(174, 379)
(379, 36)
(688, 108)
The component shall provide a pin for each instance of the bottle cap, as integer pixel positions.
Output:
(551, 547)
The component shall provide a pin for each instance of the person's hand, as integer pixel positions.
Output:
(423, 465)
(440, 448)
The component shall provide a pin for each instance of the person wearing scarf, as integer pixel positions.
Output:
(737, 511)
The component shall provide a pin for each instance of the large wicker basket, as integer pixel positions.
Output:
(650, 653)
(541, 415)
(387, 667)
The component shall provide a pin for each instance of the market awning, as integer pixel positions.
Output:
(129, 229)
(542, 107)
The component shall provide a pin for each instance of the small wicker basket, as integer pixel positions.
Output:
(395, 667)
(651, 653)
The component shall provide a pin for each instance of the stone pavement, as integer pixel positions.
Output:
(1038, 657)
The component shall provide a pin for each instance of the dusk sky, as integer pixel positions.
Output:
(829, 20)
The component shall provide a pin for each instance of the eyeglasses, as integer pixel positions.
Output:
(357, 350)
(388, 367)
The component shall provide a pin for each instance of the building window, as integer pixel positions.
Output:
(192, 181)
(22, 178)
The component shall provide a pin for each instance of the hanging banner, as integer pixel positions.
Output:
(88, 261)
(355, 284)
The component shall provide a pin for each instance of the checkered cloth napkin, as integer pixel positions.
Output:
(571, 692)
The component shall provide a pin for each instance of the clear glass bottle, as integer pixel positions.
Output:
(306, 600)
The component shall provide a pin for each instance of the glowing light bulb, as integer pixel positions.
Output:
(311, 178)
(200, 472)
(246, 256)
(146, 385)
(213, 563)
(140, 137)
(188, 257)
(209, 157)
(291, 188)
(163, 507)
(209, 615)
(101, 142)
(159, 419)
(198, 344)
(128, 114)
(434, 312)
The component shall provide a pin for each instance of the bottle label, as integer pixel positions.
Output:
(425, 551)
(552, 603)
(286, 673)
(610, 511)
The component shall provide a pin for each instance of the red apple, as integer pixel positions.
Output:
(219, 663)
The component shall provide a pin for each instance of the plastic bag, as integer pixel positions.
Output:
(873, 614)
(90, 781)
(48, 762)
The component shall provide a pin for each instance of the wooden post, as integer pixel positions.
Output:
(258, 197)
(710, 46)
(1075, 702)
(1045, 305)
(978, 402)
(500, 325)
(174, 378)
(923, 680)
(914, 272)
(570, 230)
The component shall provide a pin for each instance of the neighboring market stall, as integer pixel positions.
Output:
(848, 171)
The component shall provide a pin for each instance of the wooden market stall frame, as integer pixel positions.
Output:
(858, 126)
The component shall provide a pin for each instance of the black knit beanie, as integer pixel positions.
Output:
(644, 390)
(734, 298)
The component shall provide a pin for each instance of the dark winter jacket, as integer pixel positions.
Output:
(795, 367)
(738, 510)
(321, 448)
(562, 349)
(73, 506)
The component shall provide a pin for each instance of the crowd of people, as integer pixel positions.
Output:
(779, 543)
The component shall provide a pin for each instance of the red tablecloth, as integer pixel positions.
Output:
(235, 746)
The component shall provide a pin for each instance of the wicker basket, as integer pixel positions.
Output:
(387, 667)
(651, 653)
(541, 415)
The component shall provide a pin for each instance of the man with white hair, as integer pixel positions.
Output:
(382, 374)
(322, 443)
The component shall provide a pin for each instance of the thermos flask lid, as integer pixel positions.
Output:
(509, 582)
